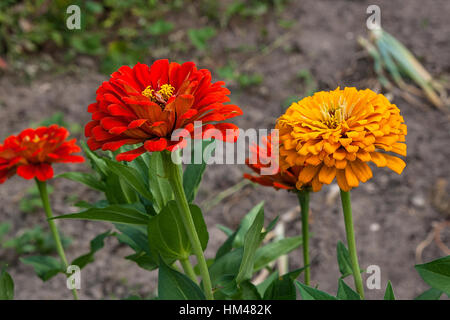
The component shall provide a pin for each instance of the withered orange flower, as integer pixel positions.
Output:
(31, 153)
(262, 156)
(336, 133)
(145, 105)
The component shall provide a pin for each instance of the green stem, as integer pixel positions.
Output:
(173, 172)
(347, 208)
(42, 186)
(303, 198)
(187, 267)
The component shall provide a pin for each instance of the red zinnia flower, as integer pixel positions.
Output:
(31, 153)
(145, 105)
(278, 179)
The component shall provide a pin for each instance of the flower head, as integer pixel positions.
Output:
(31, 153)
(263, 157)
(145, 105)
(336, 133)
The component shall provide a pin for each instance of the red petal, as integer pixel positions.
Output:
(137, 123)
(130, 155)
(44, 171)
(27, 171)
(155, 145)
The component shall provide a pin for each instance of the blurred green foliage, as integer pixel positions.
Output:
(33, 240)
(115, 32)
(32, 199)
(232, 73)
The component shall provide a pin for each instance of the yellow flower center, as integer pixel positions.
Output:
(162, 95)
(333, 115)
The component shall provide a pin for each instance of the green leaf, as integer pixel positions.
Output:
(167, 234)
(430, 294)
(274, 250)
(200, 37)
(345, 292)
(85, 178)
(228, 264)
(247, 291)
(194, 172)
(159, 184)
(200, 225)
(97, 163)
(131, 176)
(294, 274)
(136, 238)
(246, 222)
(436, 273)
(173, 285)
(45, 267)
(115, 213)
(343, 256)
(226, 247)
(262, 287)
(309, 293)
(252, 241)
(389, 293)
(96, 244)
(228, 232)
(6, 286)
(281, 289)
(160, 27)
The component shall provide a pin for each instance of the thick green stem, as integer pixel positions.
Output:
(347, 208)
(173, 172)
(303, 198)
(187, 267)
(42, 186)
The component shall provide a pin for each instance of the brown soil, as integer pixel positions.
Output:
(392, 213)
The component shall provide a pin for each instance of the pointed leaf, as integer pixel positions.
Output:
(436, 273)
(309, 293)
(194, 172)
(246, 222)
(252, 241)
(173, 285)
(389, 293)
(281, 289)
(115, 213)
(87, 179)
(131, 176)
(430, 294)
(274, 250)
(344, 261)
(346, 293)
(45, 267)
(96, 244)
(159, 184)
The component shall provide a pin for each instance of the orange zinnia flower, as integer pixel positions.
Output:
(145, 105)
(262, 157)
(334, 134)
(31, 153)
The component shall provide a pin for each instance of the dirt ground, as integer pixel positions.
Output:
(393, 214)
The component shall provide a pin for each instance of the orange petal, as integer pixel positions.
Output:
(352, 180)
(342, 181)
(327, 174)
(308, 173)
(395, 164)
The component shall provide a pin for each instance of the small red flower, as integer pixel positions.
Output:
(263, 154)
(145, 105)
(31, 153)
